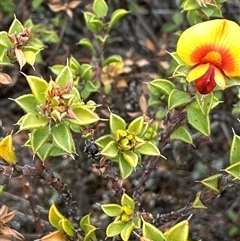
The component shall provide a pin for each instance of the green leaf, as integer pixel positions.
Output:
(212, 182)
(113, 59)
(30, 57)
(117, 14)
(112, 210)
(31, 121)
(234, 170)
(16, 26)
(38, 138)
(197, 203)
(110, 150)
(64, 76)
(235, 150)
(5, 41)
(205, 103)
(102, 39)
(84, 116)
(181, 134)
(162, 85)
(115, 228)
(104, 140)
(127, 201)
(178, 232)
(198, 120)
(136, 125)
(92, 22)
(56, 69)
(126, 231)
(54, 216)
(86, 43)
(86, 71)
(131, 157)
(147, 148)
(190, 5)
(100, 8)
(45, 151)
(28, 103)
(151, 232)
(38, 87)
(125, 168)
(116, 122)
(62, 138)
(178, 98)
(68, 227)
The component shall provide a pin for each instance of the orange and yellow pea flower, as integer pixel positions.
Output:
(212, 50)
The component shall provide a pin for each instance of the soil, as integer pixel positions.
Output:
(174, 182)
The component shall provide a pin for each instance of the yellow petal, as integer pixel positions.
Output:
(219, 79)
(220, 37)
(197, 72)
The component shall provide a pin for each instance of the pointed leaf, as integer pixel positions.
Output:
(151, 232)
(31, 121)
(162, 85)
(182, 134)
(116, 122)
(64, 77)
(62, 138)
(115, 228)
(127, 201)
(131, 157)
(117, 14)
(45, 151)
(198, 120)
(125, 168)
(136, 125)
(178, 232)
(178, 98)
(235, 150)
(16, 26)
(212, 182)
(112, 210)
(234, 170)
(20, 57)
(30, 57)
(54, 216)
(86, 43)
(197, 203)
(147, 148)
(104, 140)
(38, 87)
(110, 150)
(28, 103)
(126, 231)
(68, 227)
(100, 8)
(113, 59)
(38, 138)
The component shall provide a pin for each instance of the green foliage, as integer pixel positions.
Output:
(125, 145)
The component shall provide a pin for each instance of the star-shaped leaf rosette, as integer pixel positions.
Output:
(53, 110)
(211, 50)
(125, 145)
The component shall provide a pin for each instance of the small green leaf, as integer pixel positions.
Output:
(104, 140)
(56, 69)
(110, 150)
(136, 125)
(147, 148)
(64, 76)
(30, 57)
(45, 151)
(83, 116)
(182, 134)
(205, 103)
(125, 168)
(178, 232)
(38, 138)
(28, 103)
(197, 203)
(86, 43)
(16, 26)
(62, 138)
(162, 85)
(127, 201)
(68, 227)
(235, 150)
(116, 122)
(113, 59)
(115, 228)
(234, 170)
(5, 41)
(126, 231)
(117, 14)
(100, 8)
(198, 120)
(54, 216)
(131, 157)
(112, 210)
(178, 98)
(212, 182)
(38, 87)
(31, 121)
(190, 5)
(151, 232)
